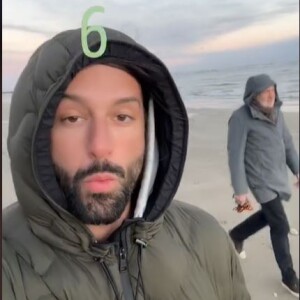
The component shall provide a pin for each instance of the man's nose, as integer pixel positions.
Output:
(100, 140)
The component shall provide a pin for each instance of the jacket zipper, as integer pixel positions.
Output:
(123, 267)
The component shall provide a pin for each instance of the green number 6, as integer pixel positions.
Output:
(85, 30)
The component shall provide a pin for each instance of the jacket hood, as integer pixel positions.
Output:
(256, 84)
(34, 102)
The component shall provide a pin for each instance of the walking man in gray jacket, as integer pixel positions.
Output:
(260, 148)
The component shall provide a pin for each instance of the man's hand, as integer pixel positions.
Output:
(243, 203)
(241, 199)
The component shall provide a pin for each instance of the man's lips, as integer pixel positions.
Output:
(100, 183)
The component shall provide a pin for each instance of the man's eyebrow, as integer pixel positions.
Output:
(73, 97)
(127, 100)
(118, 102)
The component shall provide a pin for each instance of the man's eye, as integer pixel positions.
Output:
(124, 118)
(71, 119)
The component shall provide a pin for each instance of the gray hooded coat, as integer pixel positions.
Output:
(260, 150)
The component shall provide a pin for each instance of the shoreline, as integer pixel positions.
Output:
(286, 109)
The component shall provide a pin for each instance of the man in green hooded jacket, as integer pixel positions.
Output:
(97, 149)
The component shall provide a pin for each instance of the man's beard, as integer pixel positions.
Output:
(99, 208)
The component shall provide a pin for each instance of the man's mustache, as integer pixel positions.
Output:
(99, 167)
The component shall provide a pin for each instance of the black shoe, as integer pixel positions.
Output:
(291, 283)
(239, 246)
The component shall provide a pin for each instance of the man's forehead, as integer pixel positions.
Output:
(103, 69)
(103, 82)
(272, 87)
(118, 101)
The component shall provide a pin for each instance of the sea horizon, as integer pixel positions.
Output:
(224, 88)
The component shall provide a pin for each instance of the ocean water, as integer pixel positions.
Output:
(225, 88)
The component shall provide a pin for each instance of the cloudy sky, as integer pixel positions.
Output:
(186, 34)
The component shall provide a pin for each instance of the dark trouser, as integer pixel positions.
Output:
(272, 214)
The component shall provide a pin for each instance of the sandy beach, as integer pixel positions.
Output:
(206, 184)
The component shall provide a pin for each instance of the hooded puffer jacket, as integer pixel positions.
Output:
(174, 251)
(259, 149)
